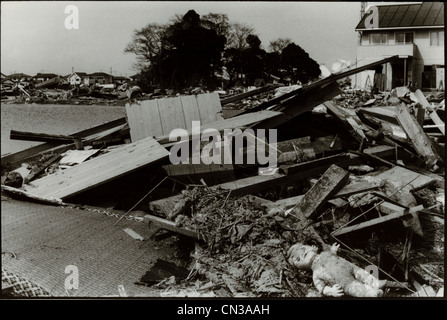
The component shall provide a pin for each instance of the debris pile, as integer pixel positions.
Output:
(361, 169)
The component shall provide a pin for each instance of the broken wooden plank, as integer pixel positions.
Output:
(381, 151)
(406, 179)
(22, 193)
(356, 187)
(104, 168)
(421, 142)
(387, 114)
(247, 94)
(237, 122)
(41, 137)
(260, 183)
(169, 225)
(332, 180)
(437, 121)
(303, 102)
(419, 96)
(341, 116)
(87, 135)
(35, 172)
(377, 221)
(342, 160)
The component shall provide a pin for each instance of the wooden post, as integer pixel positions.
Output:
(332, 181)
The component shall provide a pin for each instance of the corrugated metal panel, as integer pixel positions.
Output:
(99, 170)
(422, 14)
(385, 16)
(409, 15)
(159, 117)
(440, 19)
(395, 21)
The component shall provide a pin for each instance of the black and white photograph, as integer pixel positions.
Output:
(203, 151)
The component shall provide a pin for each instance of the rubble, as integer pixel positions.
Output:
(362, 169)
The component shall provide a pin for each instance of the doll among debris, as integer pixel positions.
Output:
(335, 276)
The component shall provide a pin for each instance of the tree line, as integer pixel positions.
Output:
(194, 51)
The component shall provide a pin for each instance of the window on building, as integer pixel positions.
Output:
(404, 37)
(378, 38)
(437, 38)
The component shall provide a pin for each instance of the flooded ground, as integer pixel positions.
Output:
(52, 119)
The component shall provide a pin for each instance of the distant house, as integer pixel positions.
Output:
(40, 77)
(78, 78)
(119, 80)
(100, 78)
(414, 32)
(20, 77)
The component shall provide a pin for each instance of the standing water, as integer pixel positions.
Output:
(51, 119)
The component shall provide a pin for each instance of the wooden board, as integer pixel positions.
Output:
(240, 121)
(99, 170)
(400, 176)
(158, 117)
(87, 135)
(169, 225)
(421, 142)
(332, 180)
(373, 222)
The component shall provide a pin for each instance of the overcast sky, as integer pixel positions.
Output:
(34, 38)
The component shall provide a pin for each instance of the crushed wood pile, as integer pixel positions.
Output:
(361, 169)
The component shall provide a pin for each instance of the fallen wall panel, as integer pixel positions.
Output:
(158, 117)
(99, 170)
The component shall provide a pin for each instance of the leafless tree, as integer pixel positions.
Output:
(147, 44)
(279, 44)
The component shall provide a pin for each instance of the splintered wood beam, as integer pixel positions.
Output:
(41, 137)
(330, 182)
(421, 142)
(400, 212)
(247, 94)
(342, 160)
(437, 120)
(356, 187)
(169, 225)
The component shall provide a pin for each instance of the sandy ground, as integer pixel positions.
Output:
(39, 241)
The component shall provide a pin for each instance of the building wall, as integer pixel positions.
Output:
(420, 54)
(431, 55)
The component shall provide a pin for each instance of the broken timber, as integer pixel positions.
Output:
(332, 180)
(247, 94)
(376, 221)
(59, 147)
(169, 225)
(421, 142)
(99, 170)
(261, 183)
(43, 137)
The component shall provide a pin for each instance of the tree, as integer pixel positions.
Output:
(218, 22)
(299, 65)
(234, 51)
(279, 44)
(194, 53)
(253, 59)
(186, 52)
(238, 36)
(147, 44)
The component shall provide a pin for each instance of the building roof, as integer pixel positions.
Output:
(45, 75)
(81, 74)
(426, 14)
(100, 74)
(18, 76)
